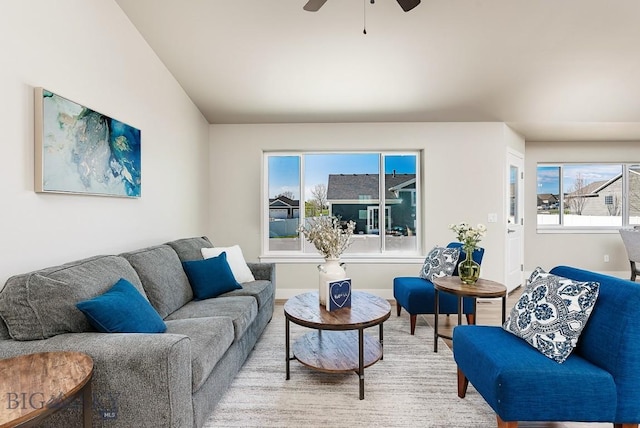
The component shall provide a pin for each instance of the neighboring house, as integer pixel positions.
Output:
(600, 198)
(357, 197)
(548, 201)
(282, 207)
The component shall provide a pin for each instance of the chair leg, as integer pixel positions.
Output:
(398, 308)
(633, 270)
(471, 319)
(463, 383)
(413, 319)
(503, 424)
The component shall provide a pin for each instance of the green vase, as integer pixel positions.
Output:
(468, 269)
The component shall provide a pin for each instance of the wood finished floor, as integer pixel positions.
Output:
(490, 313)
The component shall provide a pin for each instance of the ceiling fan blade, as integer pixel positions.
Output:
(406, 5)
(314, 5)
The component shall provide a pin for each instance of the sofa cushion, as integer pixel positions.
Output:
(439, 262)
(41, 304)
(122, 309)
(262, 291)
(552, 312)
(236, 261)
(241, 309)
(210, 338)
(520, 383)
(190, 248)
(4, 331)
(210, 277)
(162, 277)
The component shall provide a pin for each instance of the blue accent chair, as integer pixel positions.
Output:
(599, 382)
(417, 295)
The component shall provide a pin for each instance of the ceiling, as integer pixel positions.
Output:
(551, 69)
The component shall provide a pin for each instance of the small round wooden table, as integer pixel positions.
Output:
(483, 288)
(35, 386)
(339, 350)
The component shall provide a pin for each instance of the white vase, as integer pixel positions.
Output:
(330, 270)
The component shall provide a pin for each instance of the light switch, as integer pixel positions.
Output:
(492, 218)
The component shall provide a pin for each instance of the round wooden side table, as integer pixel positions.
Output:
(34, 386)
(483, 288)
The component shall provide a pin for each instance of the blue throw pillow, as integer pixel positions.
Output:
(122, 309)
(210, 277)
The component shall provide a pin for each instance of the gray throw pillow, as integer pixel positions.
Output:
(439, 262)
(552, 312)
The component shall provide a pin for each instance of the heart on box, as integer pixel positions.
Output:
(340, 292)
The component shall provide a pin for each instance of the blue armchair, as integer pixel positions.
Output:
(599, 382)
(417, 295)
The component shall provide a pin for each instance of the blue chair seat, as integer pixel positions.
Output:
(521, 384)
(417, 295)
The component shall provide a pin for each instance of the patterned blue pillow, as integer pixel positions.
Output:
(439, 262)
(552, 312)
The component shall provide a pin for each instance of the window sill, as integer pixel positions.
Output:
(582, 230)
(349, 259)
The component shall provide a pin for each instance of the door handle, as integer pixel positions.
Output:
(510, 230)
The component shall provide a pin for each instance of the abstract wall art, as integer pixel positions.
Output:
(79, 150)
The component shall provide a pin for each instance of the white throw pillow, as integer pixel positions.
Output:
(236, 261)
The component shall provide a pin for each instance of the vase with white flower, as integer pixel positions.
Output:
(469, 236)
(331, 237)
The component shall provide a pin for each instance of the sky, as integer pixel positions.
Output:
(284, 170)
(548, 176)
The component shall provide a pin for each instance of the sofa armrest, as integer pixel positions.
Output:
(264, 271)
(127, 369)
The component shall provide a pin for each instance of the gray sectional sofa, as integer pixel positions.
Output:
(171, 379)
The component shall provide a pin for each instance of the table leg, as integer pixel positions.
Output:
(504, 308)
(381, 342)
(87, 406)
(436, 311)
(361, 361)
(459, 310)
(286, 341)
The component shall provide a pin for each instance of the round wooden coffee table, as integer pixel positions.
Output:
(34, 386)
(483, 288)
(334, 346)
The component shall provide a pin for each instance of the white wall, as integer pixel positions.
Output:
(89, 52)
(463, 168)
(583, 250)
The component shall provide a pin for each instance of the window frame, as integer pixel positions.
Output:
(299, 256)
(561, 227)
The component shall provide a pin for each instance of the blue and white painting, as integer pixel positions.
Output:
(79, 150)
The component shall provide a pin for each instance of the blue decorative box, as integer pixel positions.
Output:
(338, 294)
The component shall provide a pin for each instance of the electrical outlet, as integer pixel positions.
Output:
(492, 218)
(606, 258)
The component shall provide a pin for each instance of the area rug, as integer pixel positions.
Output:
(412, 386)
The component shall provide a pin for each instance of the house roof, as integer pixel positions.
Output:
(282, 201)
(366, 186)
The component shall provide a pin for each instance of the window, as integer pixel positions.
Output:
(582, 196)
(378, 191)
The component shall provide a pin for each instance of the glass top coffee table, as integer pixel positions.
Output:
(335, 346)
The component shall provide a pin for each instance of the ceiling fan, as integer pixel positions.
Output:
(315, 5)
